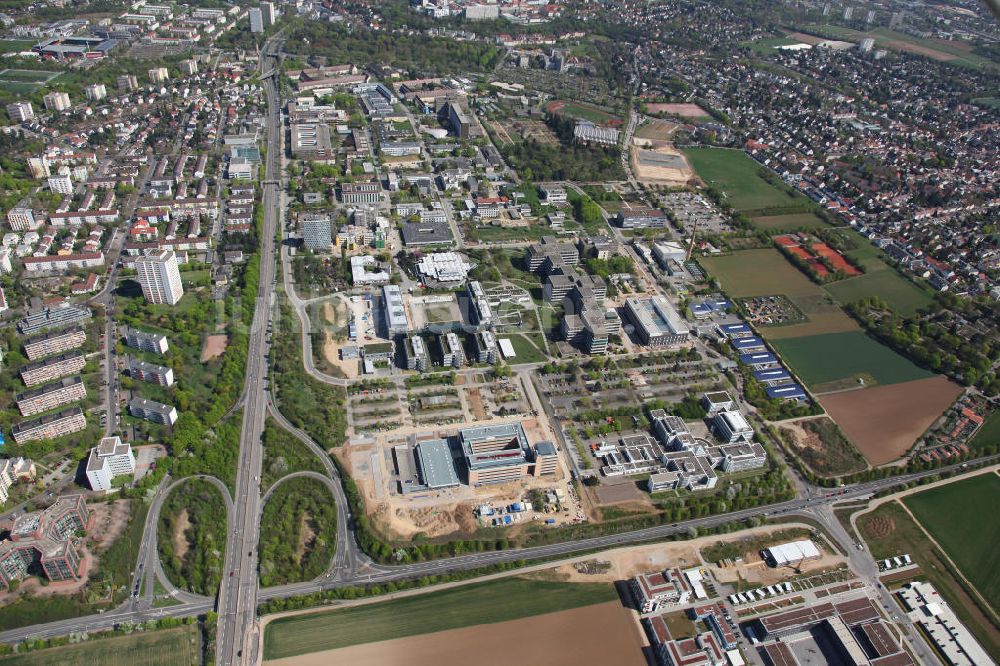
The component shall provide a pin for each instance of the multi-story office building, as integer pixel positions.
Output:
(732, 426)
(51, 396)
(51, 426)
(56, 101)
(550, 253)
(317, 232)
(393, 311)
(480, 312)
(656, 322)
(415, 354)
(150, 372)
(54, 343)
(157, 412)
(145, 341)
(487, 349)
(452, 352)
(49, 369)
(500, 453)
(20, 111)
(110, 458)
(268, 13)
(546, 458)
(160, 278)
(46, 540)
(54, 316)
(361, 193)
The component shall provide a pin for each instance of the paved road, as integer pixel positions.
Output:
(364, 572)
(237, 605)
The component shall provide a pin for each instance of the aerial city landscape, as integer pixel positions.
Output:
(564, 332)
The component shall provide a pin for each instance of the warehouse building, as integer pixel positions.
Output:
(416, 234)
(656, 322)
(791, 554)
(436, 465)
(927, 608)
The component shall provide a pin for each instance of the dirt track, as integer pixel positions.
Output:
(599, 634)
(883, 422)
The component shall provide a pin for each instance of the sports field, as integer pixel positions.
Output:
(468, 605)
(765, 273)
(735, 174)
(955, 52)
(180, 646)
(836, 361)
(989, 432)
(969, 536)
(789, 222)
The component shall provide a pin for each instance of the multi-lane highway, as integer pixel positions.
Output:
(236, 633)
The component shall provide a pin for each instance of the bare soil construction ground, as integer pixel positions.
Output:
(215, 345)
(883, 422)
(181, 543)
(685, 110)
(598, 634)
(663, 165)
(107, 522)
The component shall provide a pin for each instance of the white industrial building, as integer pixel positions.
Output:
(792, 553)
(365, 269)
(444, 267)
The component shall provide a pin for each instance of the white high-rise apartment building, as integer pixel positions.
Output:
(61, 183)
(159, 277)
(267, 13)
(20, 111)
(110, 458)
(57, 101)
(96, 92)
(256, 20)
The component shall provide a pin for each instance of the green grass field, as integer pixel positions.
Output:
(989, 433)
(765, 272)
(836, 360)
(170, 647)
(902, 295)
(968, 536)
(479, 603)
(789, 222)
(586, 112)
(12, 45)
(525, 349)
(889, 531)
(27, 75)
(735, 174)
(989, 102)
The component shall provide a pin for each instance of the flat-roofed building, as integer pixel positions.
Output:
(495, 453)
(928, 609)
(50, 396)
(653, 591)
(53, 316)
(416, 234)
(550, 253)
(731, 426)
(415, 350)
(546, 458)
(717, 401)
(480, 310)
(361, 193)
(149, 410)
(110, 458)
(792, 553)
(317, 232)
(50, 426)
(393, 311)
(54, 342)
(52, 368)
(436, 465)
(657, 323)
(487, 350)
(160, 277)
(452, 352)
